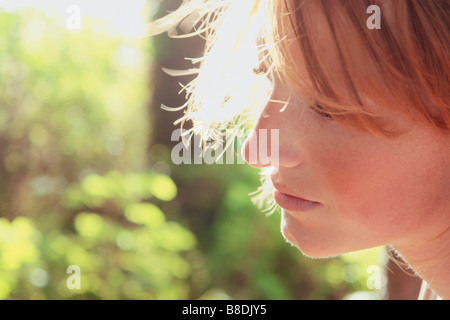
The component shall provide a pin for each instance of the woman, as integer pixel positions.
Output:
(358, 92)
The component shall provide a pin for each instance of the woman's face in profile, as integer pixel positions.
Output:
(363, 190)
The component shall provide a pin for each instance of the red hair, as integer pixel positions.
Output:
(402, 68)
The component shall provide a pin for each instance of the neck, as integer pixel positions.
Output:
(430, 259)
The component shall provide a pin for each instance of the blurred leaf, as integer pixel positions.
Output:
(174, 237)
(145, 213)
(97, 186)
(89, 225)
(162, 187)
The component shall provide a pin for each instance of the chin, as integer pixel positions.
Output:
(308, 245)
(313, 252)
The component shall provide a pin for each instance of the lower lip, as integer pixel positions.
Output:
(291, 203)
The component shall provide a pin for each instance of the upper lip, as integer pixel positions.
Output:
(285, 190)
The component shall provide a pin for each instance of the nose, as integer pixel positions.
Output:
(272, 142)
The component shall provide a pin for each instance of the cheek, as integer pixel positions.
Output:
(368, 188)
(386, 191)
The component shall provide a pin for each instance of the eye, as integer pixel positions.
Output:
(321, 111)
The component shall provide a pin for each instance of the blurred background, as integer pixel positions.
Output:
(86, 177)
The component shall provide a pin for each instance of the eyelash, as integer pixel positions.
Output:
(321, 111)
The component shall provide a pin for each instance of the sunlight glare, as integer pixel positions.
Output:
(121, 17)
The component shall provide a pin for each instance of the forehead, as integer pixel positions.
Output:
(326, 50)
(324, 45)
(326, 57)
(313, 49)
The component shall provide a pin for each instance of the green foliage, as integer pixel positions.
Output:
(74, 130)
(77, 188)
(138, 257)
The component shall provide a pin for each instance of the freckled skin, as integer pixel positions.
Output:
(373, 190)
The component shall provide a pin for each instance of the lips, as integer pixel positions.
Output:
(286, 200)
